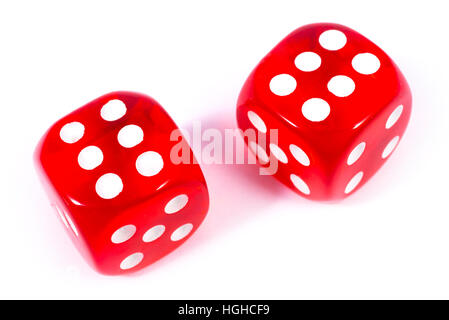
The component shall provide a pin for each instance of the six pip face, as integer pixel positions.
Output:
(338, 104)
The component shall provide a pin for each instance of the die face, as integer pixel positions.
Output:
(371, 147)
(144, 127)
(282, 86)
(108, 160)
(146, 232)
(299, 166)
(325, 87)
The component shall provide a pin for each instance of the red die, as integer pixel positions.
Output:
(108, 173)
(339, 103)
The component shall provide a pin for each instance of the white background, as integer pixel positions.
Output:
(259, 240)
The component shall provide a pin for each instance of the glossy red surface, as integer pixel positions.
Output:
(92, 219)
(353, 117)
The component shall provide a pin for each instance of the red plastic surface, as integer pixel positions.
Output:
(91, 219)
(354, 118)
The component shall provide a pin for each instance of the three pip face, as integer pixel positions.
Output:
(336, 102)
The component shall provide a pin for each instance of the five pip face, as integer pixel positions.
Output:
(337, 103)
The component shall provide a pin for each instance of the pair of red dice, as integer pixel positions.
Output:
(336, 102)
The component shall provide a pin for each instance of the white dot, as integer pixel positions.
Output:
(131, 261)
(332, 40)
(307, 61)
(72, 132)
(365, 63)
(176, 204)
(181, 232)
(354, 182)
(341, 86)
(299, 184)
(282, 84)
(109, 186)
(394, 117)
(299, 155)
(130, 136)
(390, 147)
(315, 109)
(149, 163)
(259, 151)
(278, 153)
(257, 122)
(90, 157)
(356, 153)
(153, 233)
(123, 234)
(113, 110)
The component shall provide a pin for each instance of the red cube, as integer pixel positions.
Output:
(337, 104)
(107, 169)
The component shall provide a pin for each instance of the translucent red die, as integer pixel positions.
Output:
(339, 104)
(107, 169)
